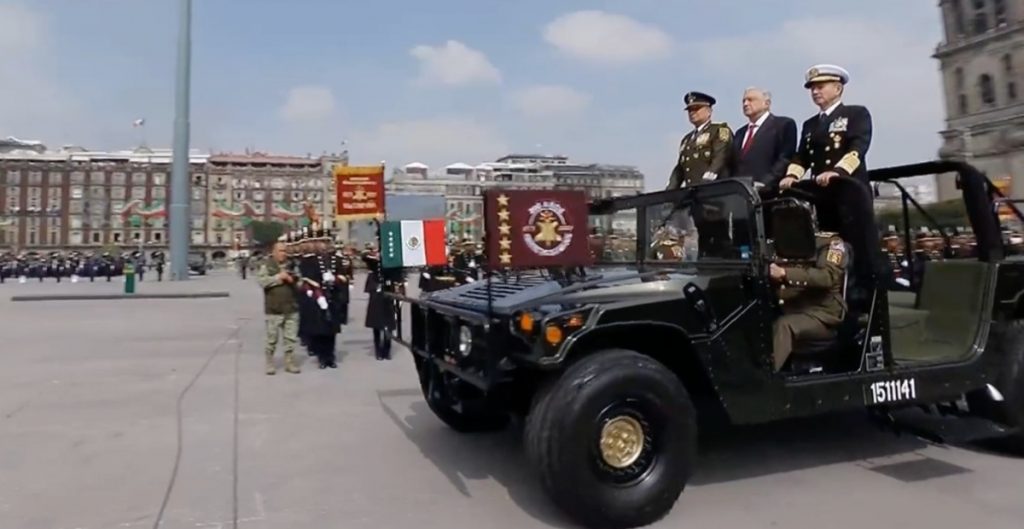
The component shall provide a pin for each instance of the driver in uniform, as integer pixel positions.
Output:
(811, 297)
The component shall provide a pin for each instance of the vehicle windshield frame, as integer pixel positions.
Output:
(976, 192)
(645, 205)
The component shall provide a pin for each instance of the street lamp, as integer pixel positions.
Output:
(179, 206)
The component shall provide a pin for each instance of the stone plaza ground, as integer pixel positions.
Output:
(114, 413)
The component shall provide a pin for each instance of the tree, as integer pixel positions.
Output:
(264, 233)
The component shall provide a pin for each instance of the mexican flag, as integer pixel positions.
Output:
(408, 243)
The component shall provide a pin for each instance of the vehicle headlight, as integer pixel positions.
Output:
(465, 340)
(560, 327)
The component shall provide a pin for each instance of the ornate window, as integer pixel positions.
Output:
(999, 6)
(987, 90)
(980, 21)
(1011, 85)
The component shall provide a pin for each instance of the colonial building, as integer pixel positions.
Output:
(85, 200)
(982, 63)
(462, 186)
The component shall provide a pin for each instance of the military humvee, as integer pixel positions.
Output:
(614, 367)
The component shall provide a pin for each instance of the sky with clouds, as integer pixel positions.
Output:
(458, 80)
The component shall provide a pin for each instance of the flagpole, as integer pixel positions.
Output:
(179, 206)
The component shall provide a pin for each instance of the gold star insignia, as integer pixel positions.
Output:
(503, 214)
(505, 230)
(503, 200)
(505, 258)
(505, 244)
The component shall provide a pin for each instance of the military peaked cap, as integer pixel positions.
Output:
(825, 72)
(695, 99)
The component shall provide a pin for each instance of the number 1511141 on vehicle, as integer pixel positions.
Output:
(887, 391)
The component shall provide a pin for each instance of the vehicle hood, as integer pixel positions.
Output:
(508, 295)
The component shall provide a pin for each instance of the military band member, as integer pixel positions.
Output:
(835, 141)
(811, 296)
(704, 151)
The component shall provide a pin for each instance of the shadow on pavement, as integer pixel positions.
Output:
(466, 457)
(746, 452)
(731, 454)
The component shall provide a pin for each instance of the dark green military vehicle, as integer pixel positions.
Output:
(614, 367)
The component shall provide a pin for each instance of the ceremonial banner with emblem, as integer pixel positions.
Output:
(408, 243)
(360, 192)
(530, 229)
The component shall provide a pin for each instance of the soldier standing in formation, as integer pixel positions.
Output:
(467, 263)
(380, 309)
(704, 151)
(323, 295)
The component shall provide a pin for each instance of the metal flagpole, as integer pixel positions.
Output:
(179, 207)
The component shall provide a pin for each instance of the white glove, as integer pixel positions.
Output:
(321, 302)
(709, 176)
(328, 277)
(470, 280)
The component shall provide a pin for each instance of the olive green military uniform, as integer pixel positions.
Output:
(282, 315)
(702, 152)
(812, 298)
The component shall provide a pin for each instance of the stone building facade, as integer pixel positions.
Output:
(74, 199)
(982, 64)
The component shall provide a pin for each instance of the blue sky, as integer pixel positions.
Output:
(457, 80)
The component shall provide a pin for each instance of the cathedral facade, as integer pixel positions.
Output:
(982, 62)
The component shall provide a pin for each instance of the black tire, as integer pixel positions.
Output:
(1010, 411)
(472, 415)
(656, 417)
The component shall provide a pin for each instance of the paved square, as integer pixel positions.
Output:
(89, 424)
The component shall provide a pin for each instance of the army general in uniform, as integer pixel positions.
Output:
(704, 151)
(834, 142)
(811, 296)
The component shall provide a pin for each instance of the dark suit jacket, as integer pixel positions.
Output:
(773, 147)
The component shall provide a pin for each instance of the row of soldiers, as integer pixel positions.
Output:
(74, 265)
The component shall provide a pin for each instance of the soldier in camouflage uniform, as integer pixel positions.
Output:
(280, 307)
(811, 297)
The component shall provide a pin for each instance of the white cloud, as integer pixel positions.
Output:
(436, 142)
(891, 73)
(308, 103)
(543, 101)
(600, 37)
(453, 64)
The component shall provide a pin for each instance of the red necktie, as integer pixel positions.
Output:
(750, 136)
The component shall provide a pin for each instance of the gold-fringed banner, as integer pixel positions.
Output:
(360, 192)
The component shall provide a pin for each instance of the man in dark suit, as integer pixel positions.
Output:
(833, 143)
(764, 146)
